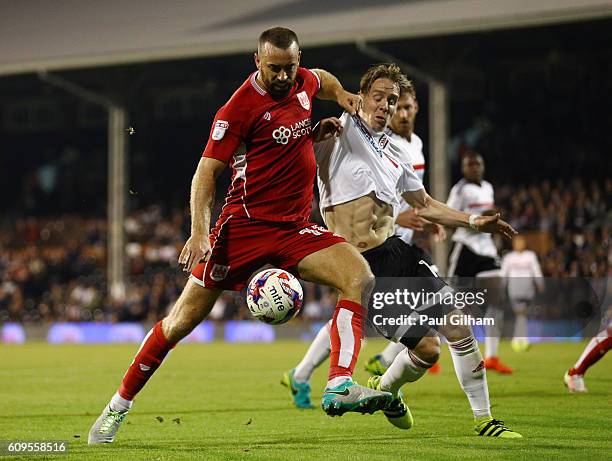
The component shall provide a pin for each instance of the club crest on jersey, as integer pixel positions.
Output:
(383, 141)
(219, 272)
(304, 101)
(219, 130)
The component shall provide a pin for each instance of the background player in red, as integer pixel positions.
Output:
(264, 130)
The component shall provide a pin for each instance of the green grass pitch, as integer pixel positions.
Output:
(224, 401)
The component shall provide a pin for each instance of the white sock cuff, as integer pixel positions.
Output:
(118, 403)
(418, 362)
(464, 346)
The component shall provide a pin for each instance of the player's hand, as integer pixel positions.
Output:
(326, 129)
(495, 225)
(195, 251)
(348, 101)
(436, 231)
(411, 220)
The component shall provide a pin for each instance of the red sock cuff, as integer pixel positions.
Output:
(351, 306)
(159, 336)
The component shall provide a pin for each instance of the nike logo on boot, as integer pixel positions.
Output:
(344, 392)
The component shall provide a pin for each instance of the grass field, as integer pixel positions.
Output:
(221, 401)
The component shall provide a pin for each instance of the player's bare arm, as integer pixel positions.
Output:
(197, 247)
(365, 222)
(331, 89)
(411, 220)
(437, 212)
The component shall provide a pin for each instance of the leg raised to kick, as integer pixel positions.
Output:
(343, 268)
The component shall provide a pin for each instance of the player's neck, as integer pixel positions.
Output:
(260, 81)
(407, 135)
(367, 119)
(262, 84)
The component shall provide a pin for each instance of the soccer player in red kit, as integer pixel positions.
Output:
(593, 352)
(264, 131)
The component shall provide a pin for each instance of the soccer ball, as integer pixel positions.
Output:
(520, 344)
(274, 296)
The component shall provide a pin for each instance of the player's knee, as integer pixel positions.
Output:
(453, 330)
(360, 282)
(176, 328)
(428, 349)
(181, 320)
(367, 282)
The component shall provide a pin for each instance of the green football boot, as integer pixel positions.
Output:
(300, 392)
(489, 427)
(397, 412)
(374, 366)
(350, 396)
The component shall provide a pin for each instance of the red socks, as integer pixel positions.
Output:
(149, 357)
(596, 349)
(345, 334)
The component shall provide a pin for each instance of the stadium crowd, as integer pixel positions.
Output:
(53, 269)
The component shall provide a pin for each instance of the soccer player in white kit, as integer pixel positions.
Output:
(401, 128)
(474, 254)
(521, 271)
(360, 173)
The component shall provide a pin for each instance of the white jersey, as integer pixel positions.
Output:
(520, 269)
(414, 149)
(361, 161)
(473, 199)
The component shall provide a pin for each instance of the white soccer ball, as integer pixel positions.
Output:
(520, 344)
(274, 296)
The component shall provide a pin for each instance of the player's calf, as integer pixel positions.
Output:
(192, 307)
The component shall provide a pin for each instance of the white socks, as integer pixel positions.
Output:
(315, 356)
(118, 403)
(337, 381)
(391, 351)
(406, 368)
(493, 332)
(520, 326)
(470, 371)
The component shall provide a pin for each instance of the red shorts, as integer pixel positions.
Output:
(241, 245)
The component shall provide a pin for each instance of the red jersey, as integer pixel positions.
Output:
(269, 145)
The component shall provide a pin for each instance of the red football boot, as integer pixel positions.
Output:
(493, 363)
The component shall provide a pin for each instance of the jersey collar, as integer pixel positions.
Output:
(256, 85)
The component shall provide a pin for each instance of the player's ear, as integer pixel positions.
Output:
(257, 61)
(416, 106)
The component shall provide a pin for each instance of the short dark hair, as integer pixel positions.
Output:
(386, 70)
(470, 154)
(280, 37)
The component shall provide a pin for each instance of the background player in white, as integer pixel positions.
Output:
(474, 255)
(359, 175)
(522, 273)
